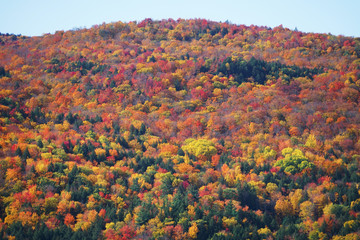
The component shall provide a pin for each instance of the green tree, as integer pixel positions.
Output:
(178, 205)
(294, 161)
(167, 184)
(147, 211)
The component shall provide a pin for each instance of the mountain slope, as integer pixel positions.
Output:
(179, 129)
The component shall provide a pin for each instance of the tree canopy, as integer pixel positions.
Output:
(179, 129)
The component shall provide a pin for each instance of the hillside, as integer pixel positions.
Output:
(179, 129)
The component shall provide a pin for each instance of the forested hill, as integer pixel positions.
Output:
(179, 129)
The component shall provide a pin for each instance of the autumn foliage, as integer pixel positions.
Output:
(179, 129)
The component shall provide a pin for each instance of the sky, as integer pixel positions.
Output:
(38, 17)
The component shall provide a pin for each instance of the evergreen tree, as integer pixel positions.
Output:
(142, 130)
(18, 152)
(147, 212)
(39, 143)
(25, 155)
(178, 205)
(230, 210)
(72, 174)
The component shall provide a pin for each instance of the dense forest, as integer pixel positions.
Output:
(179, 129)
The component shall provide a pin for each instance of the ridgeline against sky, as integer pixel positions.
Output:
(38, 17)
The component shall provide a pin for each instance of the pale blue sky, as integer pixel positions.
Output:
(36, 17)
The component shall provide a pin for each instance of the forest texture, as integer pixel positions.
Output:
(179, 129)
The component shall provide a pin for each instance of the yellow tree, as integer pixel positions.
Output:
(193, 230)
